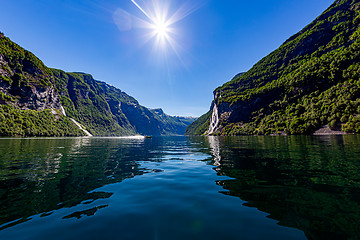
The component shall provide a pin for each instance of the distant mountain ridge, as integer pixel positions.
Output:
(311, 81)
(39, 101)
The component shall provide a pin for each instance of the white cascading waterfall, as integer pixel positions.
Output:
(214, 121)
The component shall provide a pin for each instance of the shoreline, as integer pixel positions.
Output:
(325, 131)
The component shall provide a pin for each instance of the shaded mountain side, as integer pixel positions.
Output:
(311, 80)
(27, 86)
(175, 124)
(104, 109)
(200, 126)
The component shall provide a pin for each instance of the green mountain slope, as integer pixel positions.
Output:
(310, 81)
(106, 110)
(39, 101)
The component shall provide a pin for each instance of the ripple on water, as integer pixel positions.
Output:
(169, 188)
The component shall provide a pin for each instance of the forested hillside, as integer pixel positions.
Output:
(311, 80)
(39, 101)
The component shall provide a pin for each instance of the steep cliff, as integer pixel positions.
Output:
(310, 81)
(29, 103)
(106, 110)
(39, 101)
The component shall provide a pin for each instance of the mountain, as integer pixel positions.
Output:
(311, 81)
(39, 101)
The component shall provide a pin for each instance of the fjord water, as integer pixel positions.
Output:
(295, 187)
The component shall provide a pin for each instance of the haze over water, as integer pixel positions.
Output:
(296, 187)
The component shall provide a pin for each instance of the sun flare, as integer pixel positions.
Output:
(159, 21)
(161, 29)
(159, 18)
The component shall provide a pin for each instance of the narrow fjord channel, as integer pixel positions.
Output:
(180, 188)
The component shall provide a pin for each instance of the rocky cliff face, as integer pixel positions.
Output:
(214, 120)
(106, 110)
(29, 102)
(27, 84)
(310, 81)
(30, 97)
(225, 113)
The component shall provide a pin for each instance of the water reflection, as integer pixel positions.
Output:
(214, 143)
(310, 183)
(43, 175)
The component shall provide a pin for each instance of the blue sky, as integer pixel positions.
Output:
(214, 39)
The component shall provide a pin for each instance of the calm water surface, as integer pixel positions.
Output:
(180, 188)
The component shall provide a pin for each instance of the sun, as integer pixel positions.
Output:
(161, 29)
(159, 22)
(159, 19)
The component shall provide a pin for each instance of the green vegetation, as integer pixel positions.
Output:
(4, 97)
(106, 110)
(174, 125)
(15, 122)
(21, 67)
(102, 109)
(84, 100)
(311, 80)
(335, 107)
(200, 126)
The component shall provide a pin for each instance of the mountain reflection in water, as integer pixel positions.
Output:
(309, 183)
(43, 175)
(168, 188)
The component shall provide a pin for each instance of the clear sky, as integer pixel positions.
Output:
(202, 46)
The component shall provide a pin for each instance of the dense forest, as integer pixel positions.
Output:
(311, 80)
(39, 101)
